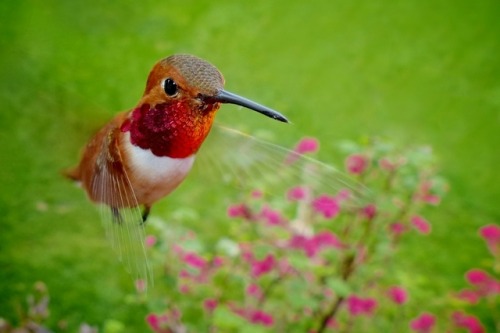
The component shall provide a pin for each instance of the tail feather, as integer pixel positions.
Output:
(72, 173)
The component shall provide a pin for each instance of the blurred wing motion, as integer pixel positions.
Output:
(121, 214)
(254, 164)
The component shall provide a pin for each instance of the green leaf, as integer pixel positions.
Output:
(113, 326)
(226, 319)
(339, 286)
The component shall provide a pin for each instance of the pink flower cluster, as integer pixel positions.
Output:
(467, 322)
(491, 234)
(239, 210)
(260, 267)
(421, 224)
(164, 323)
(423, 323)
(356, 164)
(358, 306)
(327, 206)
(426, 195)
(312, 245)
(483, 285)
(255, 316)
(304, 146)
(398, 295)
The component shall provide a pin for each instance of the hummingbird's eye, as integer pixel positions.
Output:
(170, 87)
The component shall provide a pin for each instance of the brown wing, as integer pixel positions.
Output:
(107, 183)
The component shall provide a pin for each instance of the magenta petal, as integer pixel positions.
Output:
(326, 205)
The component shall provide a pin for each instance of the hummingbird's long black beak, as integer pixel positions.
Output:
(224, 96)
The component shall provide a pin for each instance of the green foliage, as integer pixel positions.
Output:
(412, 71)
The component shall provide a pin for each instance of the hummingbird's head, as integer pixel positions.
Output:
(195, 83)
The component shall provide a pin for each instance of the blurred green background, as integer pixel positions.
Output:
(425, 72)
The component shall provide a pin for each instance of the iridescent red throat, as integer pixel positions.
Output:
(174, 130)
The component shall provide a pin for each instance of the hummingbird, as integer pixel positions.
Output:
(142, 155)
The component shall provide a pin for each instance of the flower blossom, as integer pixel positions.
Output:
(254, 291)
(397, 228)
(356, 164)
(239, 210)
(421, 224)
(369, 211)
(272, 217)
(304, 146)
(158, 323)
(483, 283)
(361, 306)
(491, 234)
(312, 245)
(425, 194)
(469, 296)
(210, 304)
(423, 323)
(326, 205)
(297, 193)
(150, 240)
(261, 317)
(263, 266)
(398, 295)
(468, 322)
(307, 145)
(194, 260)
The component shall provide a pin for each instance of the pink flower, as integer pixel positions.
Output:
(184, 289)
(343, 195)
(356, 164)
(327, 206)
(491, 234)
(158, 323)
(218, 261)
(327, 239)
(257, 194)
(398, 295)
(261, 317)
(397, 228)
(361, 306)
(184, 274)
(254, 291)
(469, 296)
(239, 210)
(272, 217)
(210, 304)
(263, 266)
(150, 241)
(246, 252)
(304, 146)
(307, 145)
(425, 194)
(477, 277)
(423, 323)
(369, 211)
(421, 224)
(194, 260)
(297, 193)
(140, 285)
(386, 164)
(468, 322)
(312, 245)
(484, 283)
